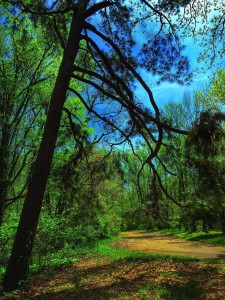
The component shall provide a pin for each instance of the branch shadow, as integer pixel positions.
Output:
(123, 279)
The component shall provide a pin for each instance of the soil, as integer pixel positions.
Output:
(156, 243)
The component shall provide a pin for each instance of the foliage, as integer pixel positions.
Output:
(7, 232)
(92, 188)
(28, 70)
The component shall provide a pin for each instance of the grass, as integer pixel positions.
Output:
(152, 290)
(175, 292)
(103, 249)
(215, 238)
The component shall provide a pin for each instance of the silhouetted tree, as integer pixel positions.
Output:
(102, 32)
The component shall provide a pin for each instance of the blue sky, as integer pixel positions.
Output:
(168, 92)
(172, 92)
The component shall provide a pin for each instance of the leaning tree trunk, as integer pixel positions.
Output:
(3, 171)
(4, 150)
(17, 269)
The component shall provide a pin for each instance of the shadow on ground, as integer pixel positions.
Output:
(142, 278)
(145, 236)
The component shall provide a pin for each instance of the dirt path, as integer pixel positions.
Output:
(164, 244)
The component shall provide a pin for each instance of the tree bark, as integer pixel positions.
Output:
(3, 173)
(4, 145)
(222, 220)
(17, 269)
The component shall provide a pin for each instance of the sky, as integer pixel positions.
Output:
(172, 92)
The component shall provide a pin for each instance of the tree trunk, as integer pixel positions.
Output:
(193, 226)
(222, 220)
(17, 269)
(4, 145)
(205, 227)
(3, 176)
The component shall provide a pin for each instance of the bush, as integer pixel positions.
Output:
(7, 233)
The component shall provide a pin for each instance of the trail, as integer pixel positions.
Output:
(163, 244)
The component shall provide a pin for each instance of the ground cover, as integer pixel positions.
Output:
(104, 272)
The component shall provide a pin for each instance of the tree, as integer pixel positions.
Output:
(26, 230)
(25, 80)
(205, 156)
(112, 81)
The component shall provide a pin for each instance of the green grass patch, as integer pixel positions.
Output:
(103, 249)
(215, 238)
(152, 290)
(171, 292)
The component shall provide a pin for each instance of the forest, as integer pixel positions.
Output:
(84, 157)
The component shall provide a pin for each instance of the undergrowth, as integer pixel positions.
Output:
(116, 272)
(101, 249)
